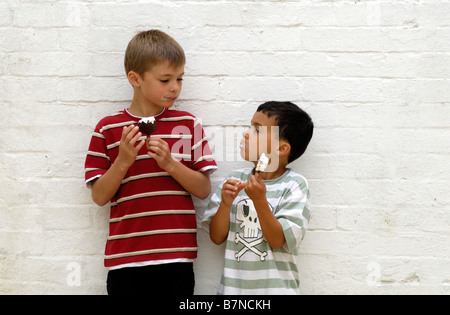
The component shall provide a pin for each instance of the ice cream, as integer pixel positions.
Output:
(147, 125)
(262, 163)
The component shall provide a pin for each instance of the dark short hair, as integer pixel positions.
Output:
(296, 126)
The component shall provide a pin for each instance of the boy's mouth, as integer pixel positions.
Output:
(242, 145)
(168, 98)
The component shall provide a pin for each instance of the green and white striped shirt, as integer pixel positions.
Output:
(251, 265)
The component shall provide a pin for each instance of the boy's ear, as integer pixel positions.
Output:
(133, 78)
(284, 149)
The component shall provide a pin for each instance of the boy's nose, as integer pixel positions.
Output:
(245, 134)
(174, 87)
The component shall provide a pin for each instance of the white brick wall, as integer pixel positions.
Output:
(372, 74)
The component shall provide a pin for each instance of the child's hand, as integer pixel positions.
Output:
(230, 190)
(255, 188)
(128, 149)
(159, 150)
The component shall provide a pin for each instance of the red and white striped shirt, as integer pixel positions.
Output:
(152, 218)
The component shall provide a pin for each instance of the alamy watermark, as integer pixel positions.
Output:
(73, 278)
(228, 143)
(374, 276)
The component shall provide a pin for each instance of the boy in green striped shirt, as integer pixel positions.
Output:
(262, 216)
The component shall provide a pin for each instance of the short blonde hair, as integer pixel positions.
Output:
(149, 48)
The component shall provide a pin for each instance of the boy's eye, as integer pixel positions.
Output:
(255, 129)
(167, 81)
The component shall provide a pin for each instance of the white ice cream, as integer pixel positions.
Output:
(147, 120)
(262, 163)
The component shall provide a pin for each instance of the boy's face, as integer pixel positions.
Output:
(262, 137)
(161, 86)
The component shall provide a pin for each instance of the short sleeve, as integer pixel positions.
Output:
(202, 157)
(293, 214)
(97, 159)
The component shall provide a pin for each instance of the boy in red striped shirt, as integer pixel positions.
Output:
(152, 229)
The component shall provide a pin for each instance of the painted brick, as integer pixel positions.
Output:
(372, 74)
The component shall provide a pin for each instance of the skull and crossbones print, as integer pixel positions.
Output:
(246, 213)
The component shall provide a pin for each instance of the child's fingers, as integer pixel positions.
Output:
(228, 196)
(155, 142)
(160, 143)
(152, 155)
(155, 147)
(133, 132)
(126, 131)
(251, 184)
(140, 145)
(130, 136)
(250, 181)
(129, 132)
(135, 138)
(154, 150)
(159, 148)
(258, 178)
(229, 193)
(255, 180)
(242, 185)
(228, 187)
(231, 184)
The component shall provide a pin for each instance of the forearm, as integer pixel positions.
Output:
(271, 228)
(104, 188)
(195, 182)
(220, 224)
